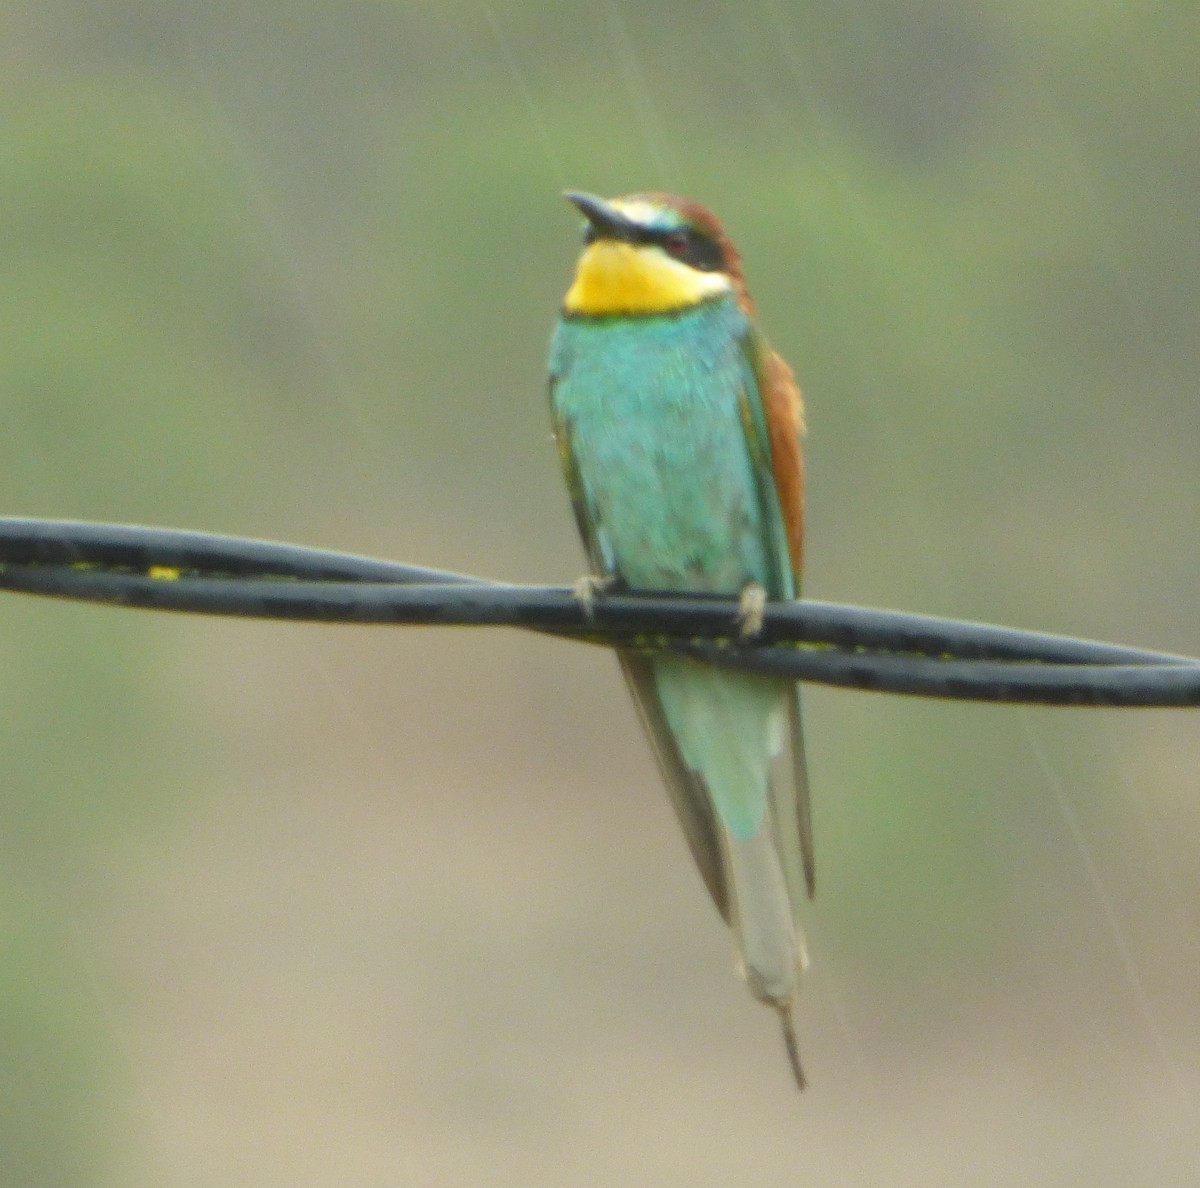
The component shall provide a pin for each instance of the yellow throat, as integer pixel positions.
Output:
(626, 278)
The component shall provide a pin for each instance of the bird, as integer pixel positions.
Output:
(679, 432)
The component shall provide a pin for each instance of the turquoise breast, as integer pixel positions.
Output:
(650, 406)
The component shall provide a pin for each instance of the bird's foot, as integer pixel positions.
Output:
(589, 587)
(751, 604)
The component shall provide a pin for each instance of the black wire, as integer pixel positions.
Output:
(886, 651)
(1130, 686)
(137, 548)
(132, 551)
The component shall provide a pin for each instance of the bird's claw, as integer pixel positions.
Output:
(751, 603)
(589, 587)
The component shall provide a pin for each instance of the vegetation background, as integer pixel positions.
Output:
(309, 906)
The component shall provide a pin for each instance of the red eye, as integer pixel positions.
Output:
(676, 243)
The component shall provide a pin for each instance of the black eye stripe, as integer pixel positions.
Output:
(698, 250)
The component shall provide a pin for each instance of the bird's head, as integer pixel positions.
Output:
(647, 254)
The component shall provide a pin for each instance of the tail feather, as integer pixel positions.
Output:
(791, 806)
(791, 1044)
(769, 947)
(738, 738)
(690, 798)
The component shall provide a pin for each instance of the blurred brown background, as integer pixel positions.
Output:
(315, 906)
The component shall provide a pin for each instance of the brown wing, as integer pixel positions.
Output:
(783, 412)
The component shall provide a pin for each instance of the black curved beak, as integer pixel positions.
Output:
(606, 221)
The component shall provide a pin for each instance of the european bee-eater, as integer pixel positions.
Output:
(679, 431)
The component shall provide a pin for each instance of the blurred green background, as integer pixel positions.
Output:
(309, 906)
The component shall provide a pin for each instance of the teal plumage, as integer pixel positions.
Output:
(649, 406)
(672, 418)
